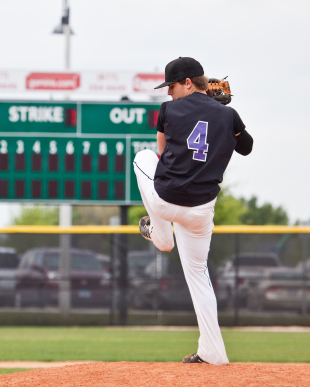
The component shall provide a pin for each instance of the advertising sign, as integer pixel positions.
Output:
(52, 81)
(12, 81)
(82, 83)
(145, 83)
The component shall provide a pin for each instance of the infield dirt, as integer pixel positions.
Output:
(136, 374)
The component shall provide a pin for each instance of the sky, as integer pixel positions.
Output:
(262, 46)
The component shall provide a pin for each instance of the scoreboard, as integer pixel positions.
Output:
(74, 152)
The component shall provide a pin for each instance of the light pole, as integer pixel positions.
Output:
(64, 28)
(65, 210)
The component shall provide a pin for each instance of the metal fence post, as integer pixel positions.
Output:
(236, 305)
(123, 269)
(304, 302)
(113, 297)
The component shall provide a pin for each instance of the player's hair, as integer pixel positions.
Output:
(201, 82)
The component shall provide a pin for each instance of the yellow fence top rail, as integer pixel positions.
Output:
(135, 230)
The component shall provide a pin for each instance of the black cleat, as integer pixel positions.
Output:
(144, 226)
(194, 359)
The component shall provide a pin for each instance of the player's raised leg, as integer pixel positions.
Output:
(161, 233)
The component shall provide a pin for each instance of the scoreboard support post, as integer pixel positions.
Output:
(65, 220)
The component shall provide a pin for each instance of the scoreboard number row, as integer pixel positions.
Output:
(53, 149)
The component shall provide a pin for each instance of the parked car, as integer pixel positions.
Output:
(138, 260)
(163, 286)
(105, 262)
(304, 265)
(8, 267)
(284, 288)
(37, 280)
(250, 268)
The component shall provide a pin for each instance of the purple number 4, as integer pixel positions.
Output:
(197, 141)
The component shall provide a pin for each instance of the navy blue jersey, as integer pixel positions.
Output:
(200, 139)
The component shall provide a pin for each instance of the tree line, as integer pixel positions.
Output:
(229, 210)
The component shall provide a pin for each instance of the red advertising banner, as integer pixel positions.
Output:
(53, 81)
(145, 83)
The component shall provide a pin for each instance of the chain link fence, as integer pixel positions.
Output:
(255, 272)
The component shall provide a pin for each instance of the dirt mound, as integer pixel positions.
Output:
(134, 374)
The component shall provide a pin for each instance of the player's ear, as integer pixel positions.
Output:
(188, 83)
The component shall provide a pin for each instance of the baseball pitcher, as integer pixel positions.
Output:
(196, 137)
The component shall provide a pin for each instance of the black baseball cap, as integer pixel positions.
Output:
(180, 69)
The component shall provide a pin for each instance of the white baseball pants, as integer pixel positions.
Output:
(193, 229)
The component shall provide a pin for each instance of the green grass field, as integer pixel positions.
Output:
(11, 370)
(105, 344)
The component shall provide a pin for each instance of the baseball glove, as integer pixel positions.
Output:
(219, 90)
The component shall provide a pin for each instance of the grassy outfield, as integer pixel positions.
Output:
(104, 344)
(12, 370)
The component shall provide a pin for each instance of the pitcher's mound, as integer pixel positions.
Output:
(136, 374)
